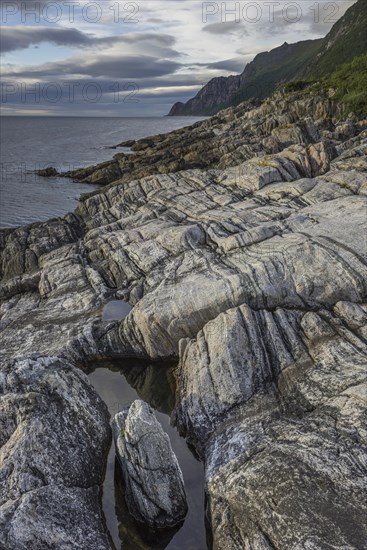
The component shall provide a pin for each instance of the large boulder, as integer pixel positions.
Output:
(54, 431)
(155, 492)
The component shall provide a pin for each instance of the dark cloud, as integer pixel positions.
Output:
(18, 38)
(236, 64)
(225, 27)
(155, 20)
(126, 67)
(130, 66)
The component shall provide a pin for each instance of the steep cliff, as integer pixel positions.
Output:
(309, 60)
(259, 80)
(211, 97)
(346, 40)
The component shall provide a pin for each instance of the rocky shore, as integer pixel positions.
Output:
(240, 243)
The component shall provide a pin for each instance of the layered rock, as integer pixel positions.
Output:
(227, 139)
(252, 274)
(275, 401)
(155, 493)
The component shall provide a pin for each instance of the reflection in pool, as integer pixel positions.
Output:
(116, 310)
(119, 383)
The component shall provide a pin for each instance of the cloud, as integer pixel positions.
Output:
(21, 37)
(119, 67)
(155, 20)
(124, 67)
(18, 38)
(236, 64)
(226, 27)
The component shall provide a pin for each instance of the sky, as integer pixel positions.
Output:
(137, 58)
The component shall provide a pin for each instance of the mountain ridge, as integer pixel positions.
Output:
(255, 81)
(309, 59)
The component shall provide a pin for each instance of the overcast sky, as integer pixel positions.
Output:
(137, 58)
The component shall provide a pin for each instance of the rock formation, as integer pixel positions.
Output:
(248, 268)
(227, 139)
(154, 493)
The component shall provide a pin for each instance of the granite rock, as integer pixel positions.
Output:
(155, 493)
(248, 270)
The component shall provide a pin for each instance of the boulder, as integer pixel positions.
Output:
(155, 493)
(47, 172)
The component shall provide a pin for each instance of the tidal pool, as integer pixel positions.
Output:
(119, 383)
(116, 310)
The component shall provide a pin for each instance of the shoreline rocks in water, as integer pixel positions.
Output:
(49, 172)
(155, 492)
(227, 139)
(248, 268)
(127, 144)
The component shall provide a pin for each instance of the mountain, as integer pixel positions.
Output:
(310, 59)
(346, 40)
(211, 97)
(259, 80)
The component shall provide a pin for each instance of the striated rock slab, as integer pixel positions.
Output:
(275, 401)
(155, 493)
(251, 273)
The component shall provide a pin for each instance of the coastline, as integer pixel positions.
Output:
(244, 261)
(30, 144)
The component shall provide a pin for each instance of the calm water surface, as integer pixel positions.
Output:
(119, 384)
(33, 143)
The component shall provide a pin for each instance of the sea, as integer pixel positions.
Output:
(67, 143)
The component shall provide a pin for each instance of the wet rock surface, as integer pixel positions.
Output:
(251, 273)
(154, 493)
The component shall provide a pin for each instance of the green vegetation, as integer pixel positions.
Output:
(271, 69)
(346, 40)
(297, 85)
(348, 84)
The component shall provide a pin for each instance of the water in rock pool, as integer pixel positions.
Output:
(31, 143)
(116, 310)
(119, 383)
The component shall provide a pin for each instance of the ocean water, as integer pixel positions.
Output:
(33, 143)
